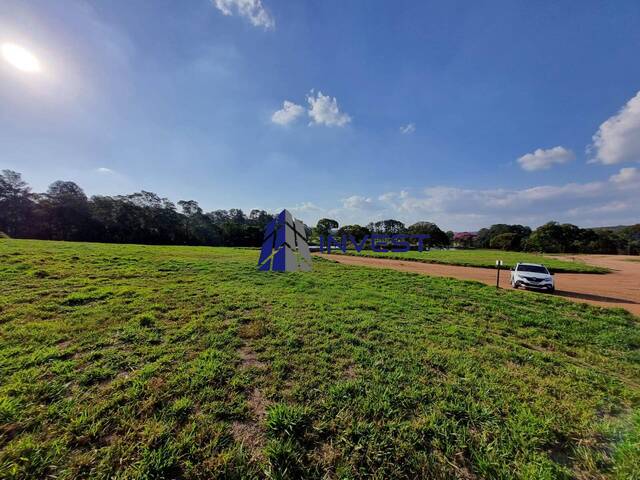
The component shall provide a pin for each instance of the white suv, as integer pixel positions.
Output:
(532, 275)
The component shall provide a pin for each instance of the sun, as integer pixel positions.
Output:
(21, 58)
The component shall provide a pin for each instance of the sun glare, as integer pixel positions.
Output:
(20, 58)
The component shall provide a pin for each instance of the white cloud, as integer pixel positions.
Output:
(407, 129)
(626, 175)
(588, 203)
(611, 207)
(289, 112)
(357, 202)
(543, 159)
(324, 110)
(618, 139)
(606, 202)
(104, 170)
(393, 199)
(306, 207)
(253, 10)
(388, 196)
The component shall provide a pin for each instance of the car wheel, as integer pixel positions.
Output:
(552, 290)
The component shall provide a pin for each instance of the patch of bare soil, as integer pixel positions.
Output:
(350, 373)
(250, 432)
(249, 358)
(250, 436)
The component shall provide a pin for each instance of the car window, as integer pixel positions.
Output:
(532, 268)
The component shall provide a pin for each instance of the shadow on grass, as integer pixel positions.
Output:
(595, 298)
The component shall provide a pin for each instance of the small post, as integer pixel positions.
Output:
(498, 264)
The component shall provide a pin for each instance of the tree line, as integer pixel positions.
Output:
(551, 237)
(64, 212)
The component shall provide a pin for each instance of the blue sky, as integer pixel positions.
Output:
(462, 113)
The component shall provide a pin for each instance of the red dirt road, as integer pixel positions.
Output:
(621, 288)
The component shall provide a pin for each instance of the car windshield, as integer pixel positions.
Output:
(532, 268)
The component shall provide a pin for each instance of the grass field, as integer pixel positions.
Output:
(485, 259)
(124, 361)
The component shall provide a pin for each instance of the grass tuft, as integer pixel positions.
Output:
(287, 420)
(146, 320)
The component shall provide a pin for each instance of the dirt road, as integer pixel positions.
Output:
(621, 288)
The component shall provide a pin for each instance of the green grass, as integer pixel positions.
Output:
(125, 361)
(484, 259)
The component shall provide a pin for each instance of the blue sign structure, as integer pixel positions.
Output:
(285, 247)
(379, 243)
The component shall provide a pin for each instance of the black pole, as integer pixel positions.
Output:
(498, 278)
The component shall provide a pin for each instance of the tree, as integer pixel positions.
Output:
(191, 212)
(190, 208)
(324, 225)
(387, 227)
(107, 211)
(218, 217)
(358, 232)
(600, 241)
(486, 235)
(436, 236)
(16, 204)
(464, 239)
(569, 237)
(151, 219)
(65, 213)
(631, 234)
(260, 218)
(505, 241)
(68, 216)
(236, 215)
(450, 235)
(546, 238)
